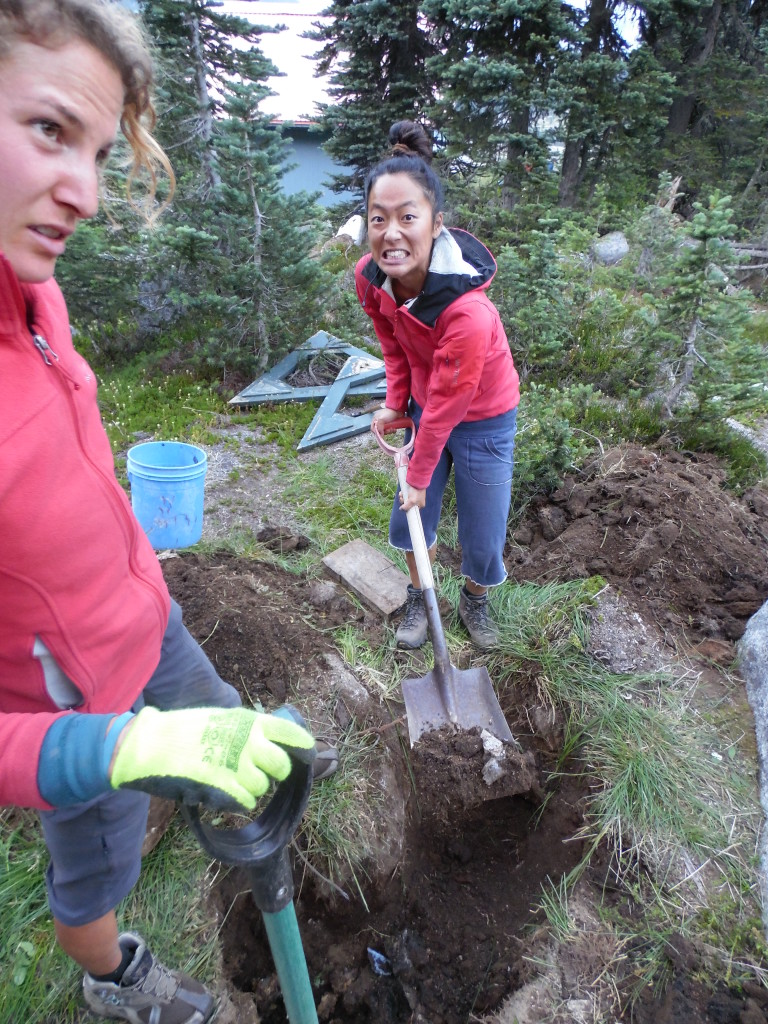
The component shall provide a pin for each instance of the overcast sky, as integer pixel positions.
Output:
(299, 89)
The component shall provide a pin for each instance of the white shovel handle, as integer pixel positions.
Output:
(416, 530)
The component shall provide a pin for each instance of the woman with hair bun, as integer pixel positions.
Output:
(448, 367)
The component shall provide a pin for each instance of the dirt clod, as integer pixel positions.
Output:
(451, 769)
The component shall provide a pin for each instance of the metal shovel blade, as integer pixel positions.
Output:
(458, 698)
(462, 698)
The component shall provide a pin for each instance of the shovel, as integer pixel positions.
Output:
(261, 847)
(446, 696)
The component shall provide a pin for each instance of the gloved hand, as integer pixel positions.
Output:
(219, 757)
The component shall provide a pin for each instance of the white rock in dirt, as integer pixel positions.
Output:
(390, 828)
(581, 1010)
(345, 683)
(492, 745)
(534, 1002)
(622, 640)
(494, 767)
(493, 770)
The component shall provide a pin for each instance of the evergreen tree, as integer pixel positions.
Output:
(716, 129)
(691, 331)
(610, 107)
(375, 56)
(492, 69)
(230, 260)
(100, 275)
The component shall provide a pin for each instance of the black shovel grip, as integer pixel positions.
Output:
(258, 841)
(261, 846)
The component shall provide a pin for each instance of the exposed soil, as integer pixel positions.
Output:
(660, 527)
(445, 932)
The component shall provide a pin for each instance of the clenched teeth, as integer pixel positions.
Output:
(49, 232)
(395, 254)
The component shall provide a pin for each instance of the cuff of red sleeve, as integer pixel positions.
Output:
(75, 757)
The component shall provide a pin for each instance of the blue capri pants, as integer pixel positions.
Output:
(95, 847)
(481, 454)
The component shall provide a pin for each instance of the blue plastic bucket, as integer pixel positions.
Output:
(167, 480)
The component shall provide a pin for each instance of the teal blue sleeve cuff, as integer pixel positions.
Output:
(75, 756)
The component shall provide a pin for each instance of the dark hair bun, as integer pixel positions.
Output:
(407, 138)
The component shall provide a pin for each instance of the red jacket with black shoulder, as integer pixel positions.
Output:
(446, 348)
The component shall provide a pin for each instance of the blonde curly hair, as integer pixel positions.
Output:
(119, 37)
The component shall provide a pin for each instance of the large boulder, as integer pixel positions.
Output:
(610, 249)
(753, 665)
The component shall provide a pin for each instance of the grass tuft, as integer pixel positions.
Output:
(337, 834)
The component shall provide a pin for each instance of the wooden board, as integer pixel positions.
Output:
(369, 574)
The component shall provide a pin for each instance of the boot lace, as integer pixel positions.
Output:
(414, 609)
(477, 614)
(159, 981)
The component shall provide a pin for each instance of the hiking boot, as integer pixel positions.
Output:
(326, 760)
(412, 631)
(149, 993)
(473, 612)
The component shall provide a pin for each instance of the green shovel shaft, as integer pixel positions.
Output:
(288, 954)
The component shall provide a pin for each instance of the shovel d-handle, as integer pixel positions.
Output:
(261, 846)
(380, 428)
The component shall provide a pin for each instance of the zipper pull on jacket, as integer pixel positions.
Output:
(44, 349)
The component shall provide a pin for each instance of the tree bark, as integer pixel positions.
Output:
(205, 105)
(690, 358)
(599, 28)
(510, 189)
(682, 110)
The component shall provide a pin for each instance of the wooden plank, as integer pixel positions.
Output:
(370, 575)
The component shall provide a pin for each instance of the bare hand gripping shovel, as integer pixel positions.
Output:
(462, 698)
(261, 847)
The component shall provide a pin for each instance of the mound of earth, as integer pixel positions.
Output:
(661, 528)
(441, 932)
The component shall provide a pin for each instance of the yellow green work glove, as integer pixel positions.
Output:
(220, 757)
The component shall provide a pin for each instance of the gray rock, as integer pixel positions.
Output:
(611, 248)
(753, 665)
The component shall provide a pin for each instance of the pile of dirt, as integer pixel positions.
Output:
(448, 905)
(662, 529)
(443, 934)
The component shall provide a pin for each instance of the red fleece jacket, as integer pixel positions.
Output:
(447, 350)
(76, 569)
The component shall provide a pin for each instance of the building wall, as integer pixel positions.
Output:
(313, 169)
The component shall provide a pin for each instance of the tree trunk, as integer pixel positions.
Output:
(683, 106)
(682, 382)
(571, 172)
(205, 105)
(520, 124)
(599, 28)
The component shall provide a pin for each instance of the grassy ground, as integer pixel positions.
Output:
(658, 795)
